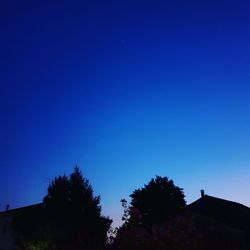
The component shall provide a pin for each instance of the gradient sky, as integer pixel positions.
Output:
(127, 90)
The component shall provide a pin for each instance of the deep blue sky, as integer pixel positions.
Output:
(127, 90)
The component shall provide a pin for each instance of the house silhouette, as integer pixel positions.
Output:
(7, 236)
(223, 224)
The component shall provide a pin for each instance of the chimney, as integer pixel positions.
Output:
(202, 193)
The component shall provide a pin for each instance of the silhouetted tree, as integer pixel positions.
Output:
(157, 201)
(149, 221)
(72, 216)
(75, 213)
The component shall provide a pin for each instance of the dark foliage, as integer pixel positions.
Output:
(71, 217)
(148, 218)
(29, 227)
(157, 201)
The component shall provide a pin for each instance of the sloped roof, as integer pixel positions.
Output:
(30, 209)
(230, 213)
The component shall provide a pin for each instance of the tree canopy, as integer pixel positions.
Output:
(157, 201)
(149, 219)
(71, 217)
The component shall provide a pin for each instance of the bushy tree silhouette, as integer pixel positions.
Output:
(151, 211)
(72, 216)
(75, 212)
(157, 201)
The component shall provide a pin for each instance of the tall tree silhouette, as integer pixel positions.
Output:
(71, 217)
(157, 201)
(75, 213)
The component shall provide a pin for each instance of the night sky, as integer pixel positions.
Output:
(127, 90)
